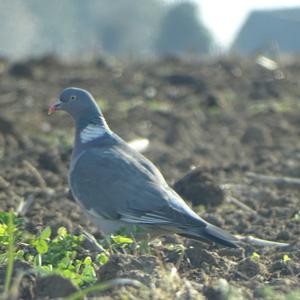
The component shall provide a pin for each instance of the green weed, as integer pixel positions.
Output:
(10, 250)
(56, 253)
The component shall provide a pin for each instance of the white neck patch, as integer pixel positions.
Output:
(92, 132)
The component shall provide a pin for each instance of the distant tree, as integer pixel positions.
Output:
(73, 28)
(127, 26)
(182, 31)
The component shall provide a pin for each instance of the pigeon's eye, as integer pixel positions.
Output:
(73, 97)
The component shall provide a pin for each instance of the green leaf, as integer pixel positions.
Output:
(87, 260)
(20, 254)
(69, 274)
(78, 264)
(255, 256)
(102, 258)
(62, 231)
(286, 258)
(89, 273)
(29, 258)
(41, 246)
(64, 263)
(48, 268)
(4, 218)
(46, 233)
(119, 239)
(3, 229)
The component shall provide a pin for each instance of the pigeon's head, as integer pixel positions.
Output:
(79, 103)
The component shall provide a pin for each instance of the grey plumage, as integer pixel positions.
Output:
(119, 187)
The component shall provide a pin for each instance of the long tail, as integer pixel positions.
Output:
(212, 233)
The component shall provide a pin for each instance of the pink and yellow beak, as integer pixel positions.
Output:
(54, 107)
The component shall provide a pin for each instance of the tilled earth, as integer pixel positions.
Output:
(210, 126)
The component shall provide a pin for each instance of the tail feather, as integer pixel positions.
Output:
(220, 236)
(214, 234)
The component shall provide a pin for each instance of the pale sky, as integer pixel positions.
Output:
(224, 17)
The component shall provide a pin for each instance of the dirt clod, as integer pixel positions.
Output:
(53, 287)
(142, 268)
(256, 135)
(198, 256)
(198, 187)
(249, 267)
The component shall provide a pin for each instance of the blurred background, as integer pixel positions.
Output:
(146, 28)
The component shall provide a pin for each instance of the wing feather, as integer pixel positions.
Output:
(117, 184)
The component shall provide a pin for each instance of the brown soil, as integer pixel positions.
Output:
(225, 118)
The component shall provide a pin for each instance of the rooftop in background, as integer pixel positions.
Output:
(270, 31)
